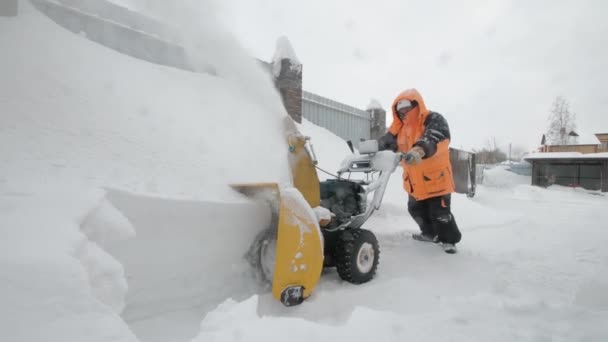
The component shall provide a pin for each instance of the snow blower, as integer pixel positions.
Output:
(316, 225)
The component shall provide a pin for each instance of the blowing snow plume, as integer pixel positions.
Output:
(211, 48)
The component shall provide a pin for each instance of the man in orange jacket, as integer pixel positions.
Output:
(423, 137)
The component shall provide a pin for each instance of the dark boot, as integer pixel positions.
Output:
(420, 213)
(445, 223)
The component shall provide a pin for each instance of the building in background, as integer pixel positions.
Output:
(597, 143)
(572, 169)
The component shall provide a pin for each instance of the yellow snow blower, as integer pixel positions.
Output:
(316, 224)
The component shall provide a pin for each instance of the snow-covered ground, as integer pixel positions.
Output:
(118, 224)
(532, 267)
(111, 171)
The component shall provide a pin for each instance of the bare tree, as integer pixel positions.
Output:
(561, 122)
(490, 153)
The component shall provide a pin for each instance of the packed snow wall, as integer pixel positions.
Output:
(115, 178)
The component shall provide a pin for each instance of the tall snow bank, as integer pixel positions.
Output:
(56, 283)
(82, 118)
(76, 112)
(500, 177)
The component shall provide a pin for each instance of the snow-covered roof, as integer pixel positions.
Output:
(587, 139)
(565, 155)
(374, 104)
(583, 138)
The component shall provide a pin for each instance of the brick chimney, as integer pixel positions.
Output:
(287, 72)
(378, 119)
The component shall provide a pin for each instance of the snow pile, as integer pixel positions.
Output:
(54, 278)
(501, 177)
(553, 155)
(521, 288)
(122, 241)
(187, 258)
(566, 155)
(128, 124)
(240, 322)
(105, 224)
(80, 253)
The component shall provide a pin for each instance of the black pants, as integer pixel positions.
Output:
(435, 218)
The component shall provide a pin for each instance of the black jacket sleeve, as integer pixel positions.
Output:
(387, 142)
(436, 129)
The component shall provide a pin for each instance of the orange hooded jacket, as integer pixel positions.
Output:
(433, 176)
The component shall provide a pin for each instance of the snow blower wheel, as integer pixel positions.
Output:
(262, 255)
(268, 257)
(357, 255)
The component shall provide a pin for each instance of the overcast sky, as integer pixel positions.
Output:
(491, 67)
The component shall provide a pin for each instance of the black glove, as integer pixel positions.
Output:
(387, 142)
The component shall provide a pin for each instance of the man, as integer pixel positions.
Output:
(423, 137)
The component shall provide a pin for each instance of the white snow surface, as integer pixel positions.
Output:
(531, 267)
(565, 155)
(118, 224)
(322, 213)
(551, 155)
(112, 171)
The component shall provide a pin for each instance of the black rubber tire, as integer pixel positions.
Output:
(255, 255)
(347, 252)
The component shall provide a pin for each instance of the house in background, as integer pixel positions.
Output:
(597, 143)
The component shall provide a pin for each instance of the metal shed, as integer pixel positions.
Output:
(464, 171)
(589, 171)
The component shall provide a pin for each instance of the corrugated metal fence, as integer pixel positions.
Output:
(349, 123)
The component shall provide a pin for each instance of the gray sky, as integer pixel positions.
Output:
(491, 67)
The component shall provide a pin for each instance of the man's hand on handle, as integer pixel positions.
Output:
(414, 156)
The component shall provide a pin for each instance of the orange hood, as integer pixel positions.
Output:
(420, 113)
